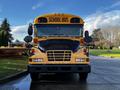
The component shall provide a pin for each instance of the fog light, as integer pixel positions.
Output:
(37, 60)
(80, 60)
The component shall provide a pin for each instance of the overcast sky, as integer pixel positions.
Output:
(96, 13)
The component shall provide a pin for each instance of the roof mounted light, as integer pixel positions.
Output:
(75, 20)
(42, 20)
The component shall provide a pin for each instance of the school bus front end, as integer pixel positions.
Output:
(59, 46)
(56, 61)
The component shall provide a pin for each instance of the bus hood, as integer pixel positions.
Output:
(59, 44)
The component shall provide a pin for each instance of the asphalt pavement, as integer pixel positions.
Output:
(105, 75)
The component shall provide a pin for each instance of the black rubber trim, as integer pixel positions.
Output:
(51, 68)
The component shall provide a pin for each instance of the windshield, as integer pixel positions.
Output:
(59, 30)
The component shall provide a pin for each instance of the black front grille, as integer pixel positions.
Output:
(59, 55)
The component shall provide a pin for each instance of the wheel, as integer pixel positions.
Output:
(83, 76)
(34, 76)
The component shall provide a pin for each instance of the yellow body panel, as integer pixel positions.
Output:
(80, 39)
(74, 56)
(38, 54)
(50, 18)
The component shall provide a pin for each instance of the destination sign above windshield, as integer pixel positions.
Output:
(58, 19)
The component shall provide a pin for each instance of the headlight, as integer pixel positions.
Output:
(37, 60)
(80, 60)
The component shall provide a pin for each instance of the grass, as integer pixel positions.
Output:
(111, 55)
(105, 53)
(10, 66)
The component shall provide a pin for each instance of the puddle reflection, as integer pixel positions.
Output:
(59, 82)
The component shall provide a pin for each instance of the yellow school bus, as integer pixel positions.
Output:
(59, 46)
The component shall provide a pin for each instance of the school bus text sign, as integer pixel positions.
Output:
(58, 19)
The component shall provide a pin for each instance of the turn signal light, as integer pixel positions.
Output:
(82, 41)
(35, 40)
(32, 51)
(85, 51)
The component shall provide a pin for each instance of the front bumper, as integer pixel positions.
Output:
(54, 68)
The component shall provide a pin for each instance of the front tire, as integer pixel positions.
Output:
(83, 76)
(34, 76)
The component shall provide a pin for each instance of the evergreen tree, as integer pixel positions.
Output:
(5, 35)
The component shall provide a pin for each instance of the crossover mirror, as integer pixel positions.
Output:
(28, 39)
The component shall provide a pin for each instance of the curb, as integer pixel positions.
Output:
(13, 77)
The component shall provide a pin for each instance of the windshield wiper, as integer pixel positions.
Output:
(58, 34)
(49, 35)
(55, 35)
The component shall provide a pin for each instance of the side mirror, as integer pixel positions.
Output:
(30, 29)
(86, 34)
(87, 38)
(28, 39)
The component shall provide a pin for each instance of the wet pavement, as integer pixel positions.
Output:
(105, 75)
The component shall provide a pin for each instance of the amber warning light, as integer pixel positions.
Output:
(35, 40)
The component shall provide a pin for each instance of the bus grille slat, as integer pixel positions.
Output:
(59, 55)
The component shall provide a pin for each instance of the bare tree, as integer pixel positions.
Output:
(98, 38)
(111, 36)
